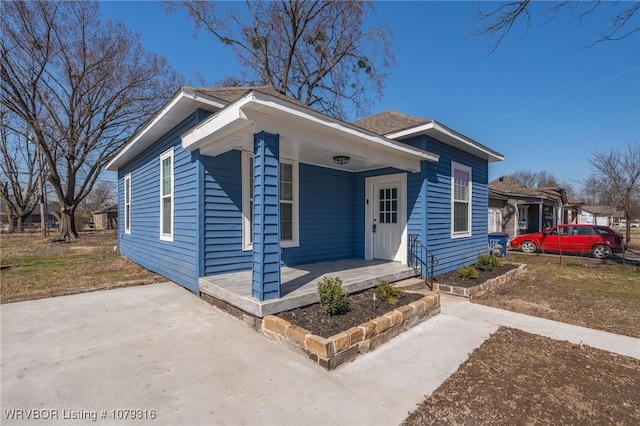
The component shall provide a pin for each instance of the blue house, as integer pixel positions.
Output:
(241, 187)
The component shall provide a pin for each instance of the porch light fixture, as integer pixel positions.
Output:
(341, 159)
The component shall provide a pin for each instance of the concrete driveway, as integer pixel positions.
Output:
(160, 353)
(161, 348)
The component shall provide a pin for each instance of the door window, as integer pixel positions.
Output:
(388, 205)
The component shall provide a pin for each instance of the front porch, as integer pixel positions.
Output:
(299, 283)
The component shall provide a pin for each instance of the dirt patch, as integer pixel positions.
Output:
(521, 378)
(362, 308)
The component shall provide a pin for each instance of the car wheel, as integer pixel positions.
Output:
(601, 252)
(528, 247)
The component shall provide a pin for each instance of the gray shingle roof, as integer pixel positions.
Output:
(390, 121)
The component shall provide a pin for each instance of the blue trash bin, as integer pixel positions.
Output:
(498, 243)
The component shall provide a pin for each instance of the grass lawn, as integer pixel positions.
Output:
(34, 267)
(603, 295)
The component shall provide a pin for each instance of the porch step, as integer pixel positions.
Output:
(408, 282)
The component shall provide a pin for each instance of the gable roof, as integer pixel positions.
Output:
(396, 125)
(385, 127)
(390, 121)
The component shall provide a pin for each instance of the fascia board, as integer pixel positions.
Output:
(435, 130)
(340, 126)
(138, 143)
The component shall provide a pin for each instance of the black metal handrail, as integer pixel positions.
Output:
(421, 259)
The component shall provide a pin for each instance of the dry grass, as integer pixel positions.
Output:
(598, 294)
(34, 267)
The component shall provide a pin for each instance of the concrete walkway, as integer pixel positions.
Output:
(161, 348)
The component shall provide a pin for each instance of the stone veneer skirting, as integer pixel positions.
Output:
(471, 291)
(346, 346)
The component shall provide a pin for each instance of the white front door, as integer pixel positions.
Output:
(387, 228)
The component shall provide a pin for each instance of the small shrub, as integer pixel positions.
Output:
(486, 262)
(333, 299)
(468, 272)
(388, 293)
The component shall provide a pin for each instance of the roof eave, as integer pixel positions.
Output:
(444, 134)
(144, 137)
(257, 110)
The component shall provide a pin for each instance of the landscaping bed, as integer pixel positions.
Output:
(453, 283)
(351, 337)
(362, 308)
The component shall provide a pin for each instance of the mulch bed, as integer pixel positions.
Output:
(453, 278)
(361, 310)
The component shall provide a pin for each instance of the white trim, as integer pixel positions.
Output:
(169, 236)
(231, 127)
(174, 111)
(246, 222)
(401, 255)
(467, 169)
(127, 217)
(448, 136)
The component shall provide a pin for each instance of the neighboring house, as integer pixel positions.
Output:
(106, 217)
(33, 220)
(247, 180)
(515, 209)
(572, 210)
(599, 215)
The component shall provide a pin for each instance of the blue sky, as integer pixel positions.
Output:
(546, 99)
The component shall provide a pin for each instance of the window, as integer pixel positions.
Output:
(460, 200)
(388, 205)
(166, 195)
(127, 203)
(495, 220)
(288, 202)
(523, 215)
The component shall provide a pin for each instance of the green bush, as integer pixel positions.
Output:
(333, 299)
(487, 262)
(388, 293)
(468, 272)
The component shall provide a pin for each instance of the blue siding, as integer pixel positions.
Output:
(223, 215)
(326, 217)
(176, 260)
(326, 228)
(266, 217)
(453, 253)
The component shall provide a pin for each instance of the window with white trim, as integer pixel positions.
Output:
(460, 200)
(288, 202)
(127, 203)
(166, 195)
(495, 219)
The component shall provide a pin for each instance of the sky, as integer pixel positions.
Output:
(547, 98)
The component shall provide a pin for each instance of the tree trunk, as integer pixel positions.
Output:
(68, 224)
(19, 224)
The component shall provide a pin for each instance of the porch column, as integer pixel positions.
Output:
(266, 216)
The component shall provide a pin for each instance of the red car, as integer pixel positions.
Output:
(600, 241)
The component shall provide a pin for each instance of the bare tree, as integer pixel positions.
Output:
(81, 85)
(19, 173)
(102, 194)
(319, 52)
(498, 22)
(622, 171)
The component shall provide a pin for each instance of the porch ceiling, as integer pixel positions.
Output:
(305, 135)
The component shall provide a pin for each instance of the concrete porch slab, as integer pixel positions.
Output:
(299, 283)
